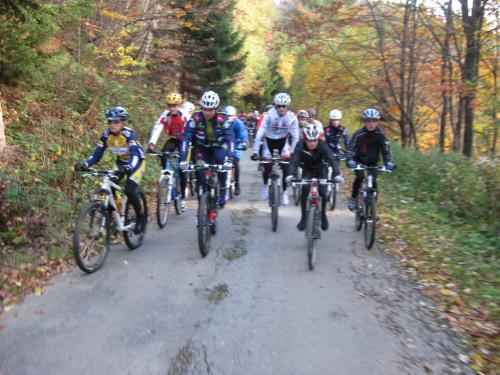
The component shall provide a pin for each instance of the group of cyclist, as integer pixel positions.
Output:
(218, 136)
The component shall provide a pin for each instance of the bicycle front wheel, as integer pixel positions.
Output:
(134, 237)
(204, 225)
(177, 197)
(275, 196)
(91, 237)
(332, 198)
(162, 202)
(370, 222)
(311, 228)
(297, 191)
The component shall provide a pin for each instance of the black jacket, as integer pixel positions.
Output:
(308, 159)
(366, 147)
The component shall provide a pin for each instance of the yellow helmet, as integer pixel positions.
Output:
(173, 98)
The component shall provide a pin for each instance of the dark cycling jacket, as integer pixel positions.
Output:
(313, 159)
(196, 127)
(366, 146)
(333, 136)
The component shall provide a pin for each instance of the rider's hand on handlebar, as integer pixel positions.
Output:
(81, 166)
(289, 179)
(390, 166)
(339, 179)
(184, 165)
(127, 169)
(150, 149)
(254, 157)
(351, 164)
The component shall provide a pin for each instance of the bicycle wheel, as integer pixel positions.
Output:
(132, 239)
(162, 202)
(297, 192)
(275, 191)
(358, 221)
(370, 222)
(332, 197)
(192, 184)
(91, 237)
(177, 198)
(204, 225)
(311, 228)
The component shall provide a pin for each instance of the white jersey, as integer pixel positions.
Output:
(275, 126)
(160, 123)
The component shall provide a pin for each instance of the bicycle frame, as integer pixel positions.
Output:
(107, 187)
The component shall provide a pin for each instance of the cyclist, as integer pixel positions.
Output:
(122, 142)
(311, 153)
(213, 139)
(172, 123)
(278, 123)
(335, 131)
(365, 148)
(241, 141)
(304, 119)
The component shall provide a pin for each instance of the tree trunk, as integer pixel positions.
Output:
(3, 140)
(472, 27)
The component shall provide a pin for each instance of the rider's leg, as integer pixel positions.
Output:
(219, 156)
(132, 190)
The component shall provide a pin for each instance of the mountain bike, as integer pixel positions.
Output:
(313, 215)
(275, 185)
(169, 186)
(109, 210)
(334, 188)
(230, 180)
(208, 197)
(366, 206)
(297, 190)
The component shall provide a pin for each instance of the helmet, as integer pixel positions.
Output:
(282, 99)
(312, 112)
(268, 107)
(189, 107)
(302, 114)
(311, 132)
(335, 115)
(173, 98)
(370, 113)
(230, 110)
(117, 113)
(210, 100)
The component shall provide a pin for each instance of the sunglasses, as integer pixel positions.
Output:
(114, 121)
(280, 106)
(311, 140)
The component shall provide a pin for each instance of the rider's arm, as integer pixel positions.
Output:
(260, 134)
(240, 131)
(294, 132)
(330, 157)
(99, 150)
(386, 149)
(187, 136)
(345, 137)
(157, 128)
(135, 150)
(295, 161)
(351, 151)
(229, 137)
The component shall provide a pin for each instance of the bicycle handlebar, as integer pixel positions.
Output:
(91, 172)
(309, 181)
(361, 167)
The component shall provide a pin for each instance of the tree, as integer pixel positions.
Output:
(472, 23)
(213, 55)
(3, 140)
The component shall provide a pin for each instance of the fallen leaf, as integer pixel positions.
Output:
(464, 358)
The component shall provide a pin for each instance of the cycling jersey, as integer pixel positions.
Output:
(275, 126)
(220, 128)
(366, 146)
(124, 145)
(334, 134)
(313, 159)
(173, 125)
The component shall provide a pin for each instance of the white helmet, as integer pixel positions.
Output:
(335, 115)
(370, 113)
(230, 110)
(282, 99)
(311, 132)
(210, 100)
(189, 107)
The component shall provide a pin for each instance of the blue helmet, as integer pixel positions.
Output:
(117, 113)
(370, 113)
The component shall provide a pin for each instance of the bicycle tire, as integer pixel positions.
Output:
(358, 218)
(370, 222)
(177, 205)
(204, 231)
(332, 198)
(78, 233)
(132, 239)
(311, 228)
(162, 203)
(297, 192)
(274, 205)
